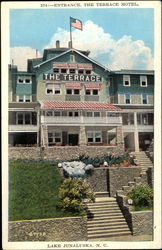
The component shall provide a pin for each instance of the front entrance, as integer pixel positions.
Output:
(145, 140)
(73, 139)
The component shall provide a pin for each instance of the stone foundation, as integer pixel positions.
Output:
(61, 153)
(59, 229)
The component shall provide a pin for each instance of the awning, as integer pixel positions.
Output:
(85, 66)
(53, 82)
(72, 66)
(93, 86)
(69, 105)
(73, 86)
(60, 65)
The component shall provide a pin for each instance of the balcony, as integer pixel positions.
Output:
(66, 120)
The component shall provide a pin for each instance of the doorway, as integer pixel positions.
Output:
(73, 139)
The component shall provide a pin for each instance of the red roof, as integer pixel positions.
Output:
(63, 105)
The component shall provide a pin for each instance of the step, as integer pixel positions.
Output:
(131, 183)
(112, 214)
(100, 203)
(110, 224)
(106, 234)
(114, 230)
(99, 194)
(103, 206)
(107, 227)
(110, 217)
(106, 221)
(104, 210)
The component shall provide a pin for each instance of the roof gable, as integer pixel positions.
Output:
(77, 52)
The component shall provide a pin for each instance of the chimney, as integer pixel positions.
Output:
(36, 53)
(57, 44)
(70, 45)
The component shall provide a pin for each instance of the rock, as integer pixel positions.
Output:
(105, 163)
(89, 167)
(59, 165)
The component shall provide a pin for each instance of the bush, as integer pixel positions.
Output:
(72, 193)
(142, 196)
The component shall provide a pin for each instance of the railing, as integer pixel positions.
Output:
(80, 120)
(23, 128)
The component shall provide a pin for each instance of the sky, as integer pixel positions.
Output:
(117, 38)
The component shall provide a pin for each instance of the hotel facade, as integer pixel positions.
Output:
(67, 99)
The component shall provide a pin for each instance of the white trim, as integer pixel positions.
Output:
(54, 137)
(91, 92)
(53, 88)
(24, 98)
(142, 99)
(72, 92)
(23, 114)
(145, 80)
(126, 98)
(94, 132)
(23, 78)
(126, 78)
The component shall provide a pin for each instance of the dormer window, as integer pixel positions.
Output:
(20, 80)
(80, 71)
(56, 70)
(126, 80)
(143, 81)
(88, 72)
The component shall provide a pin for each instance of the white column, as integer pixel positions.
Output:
(136, 136)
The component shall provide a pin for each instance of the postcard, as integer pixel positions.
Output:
(81, 125)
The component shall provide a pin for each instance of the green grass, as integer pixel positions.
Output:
(33, 191)
(143, 208)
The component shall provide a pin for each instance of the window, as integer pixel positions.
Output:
(55, 70)
(73, 113)
(24, 80)
(128, 118)
(144, 99)
(57, 113)
(143, 81)
(142, 119)
(24, 98)
(24, 118)
(80, 71)
(89, 114)
(94, 137)
(54, 137)
(95, 92)
(97, 114)
(20, 118)
(72, 91)
(127, 98)
(72, 71)
(92, 92)
(49, 113)
(72, 58)
(64, 71)
(53, 90)
(88, 72)
(126, 80)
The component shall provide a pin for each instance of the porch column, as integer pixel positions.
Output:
(44, 136)
(119, 136)
(82, 136)
(136, 137)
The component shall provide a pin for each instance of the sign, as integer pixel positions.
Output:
(72, 77)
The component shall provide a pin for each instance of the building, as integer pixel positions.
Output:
(67, 99)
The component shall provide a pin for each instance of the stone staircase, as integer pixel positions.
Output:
(142, 160)
(105, 219)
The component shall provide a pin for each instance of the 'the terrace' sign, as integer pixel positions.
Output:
(72, 77)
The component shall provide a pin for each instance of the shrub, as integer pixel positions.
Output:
(72, 193)
(142, 196)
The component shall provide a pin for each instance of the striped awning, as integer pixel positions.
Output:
(93, 86)
(73, 86)
(72, 66)
(69, 105)
(53, 82)
(61, 65)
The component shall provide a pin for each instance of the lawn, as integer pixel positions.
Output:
(33, 190)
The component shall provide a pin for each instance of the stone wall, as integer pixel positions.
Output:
(142, 222)
(61, 153)
(98, 180)
(58, 229)
(139, 222)
(120, 176)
